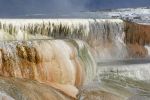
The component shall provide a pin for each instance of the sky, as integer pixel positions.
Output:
(23, 7)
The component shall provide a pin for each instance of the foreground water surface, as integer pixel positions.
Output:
(119, 80)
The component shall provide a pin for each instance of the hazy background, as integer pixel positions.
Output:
(57, 7)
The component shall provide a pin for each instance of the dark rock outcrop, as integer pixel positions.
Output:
(136, 37)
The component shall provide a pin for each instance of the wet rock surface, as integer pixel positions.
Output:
(23, 89)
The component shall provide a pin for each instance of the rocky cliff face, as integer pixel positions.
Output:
(137, 33)
(136, 37)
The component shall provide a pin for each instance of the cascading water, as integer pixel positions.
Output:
(98, 33)
(51, 61)
(148, 49)
(34, 59)
(62, 56)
